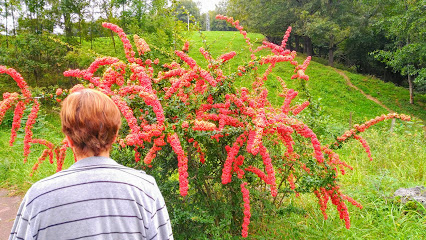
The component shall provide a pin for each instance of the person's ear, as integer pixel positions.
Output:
(115, 137)
(69, 140)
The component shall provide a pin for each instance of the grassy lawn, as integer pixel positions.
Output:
(398, 155)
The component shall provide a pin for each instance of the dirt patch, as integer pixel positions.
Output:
(8, 208)
(348, 81)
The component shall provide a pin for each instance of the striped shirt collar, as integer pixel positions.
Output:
(92, 161)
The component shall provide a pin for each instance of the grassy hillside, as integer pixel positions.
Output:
(325, 85)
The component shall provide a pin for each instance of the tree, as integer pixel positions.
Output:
(187, 11)
(215, 24)
(107, 8)
(329, 25)
(405, 23)
(4, 10)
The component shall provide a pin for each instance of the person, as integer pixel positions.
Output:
(96, 198)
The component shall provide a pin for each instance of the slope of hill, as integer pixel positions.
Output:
(326, 86)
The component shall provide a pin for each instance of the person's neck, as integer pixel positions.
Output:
(78, 157)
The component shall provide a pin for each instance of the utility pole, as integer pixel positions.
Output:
(207, 22)
(188, 21)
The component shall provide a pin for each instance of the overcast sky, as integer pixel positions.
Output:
(207, 5)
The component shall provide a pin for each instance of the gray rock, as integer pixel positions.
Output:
(417, 193)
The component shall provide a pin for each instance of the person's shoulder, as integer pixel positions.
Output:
(140, 174)
(140, 180)
(43, 185)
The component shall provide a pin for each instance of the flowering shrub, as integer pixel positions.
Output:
(192, 111)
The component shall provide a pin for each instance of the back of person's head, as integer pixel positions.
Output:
(91, 120)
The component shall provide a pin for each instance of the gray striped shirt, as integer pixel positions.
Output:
(96, 198)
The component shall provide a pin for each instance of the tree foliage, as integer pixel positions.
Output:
(405, 23)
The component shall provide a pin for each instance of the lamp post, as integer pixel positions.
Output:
(188, 14)
(188, 22)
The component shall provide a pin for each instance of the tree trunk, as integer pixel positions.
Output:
(308, 46)
(14, 30)
(123, 17)
(7, 40)
(91, 26)
(330, 57)
(79, 25)
(296, 43)
(113, 41)
(68, 29)
(13, 23)
(410, 87)
(331, 51)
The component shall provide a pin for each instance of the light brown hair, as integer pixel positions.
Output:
(91, 119)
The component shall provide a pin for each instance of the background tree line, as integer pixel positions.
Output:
(382, 38)
(43, 38)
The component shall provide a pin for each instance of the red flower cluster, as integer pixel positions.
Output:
(185, 47)
(128, 49)
(334, 160)
(60, 153)
(227, 56)
(153, 151)
(247, 214)
(19, 113)
(206, 75)
(365, 145)
(40, 160)
(300, 108)
(200, 125)
(128, 115)
(28, 127)
(88, 74)
(273, 59)
(18, 79)
(337, 198)
(366, 125)
(113, 75)
(8, 100)
(206, 54)
(182, 163)
(236, 24)
(59, 91)
(285, 38)
(258, 172)
(277, 50)
(46, 152)
(267, 161)
(300, 70)
(291, 94)
(361, 128)
(306, 132)
(290, 180)
(197, 147)
(322, 201)
(190, 61)
(141, 45)
(231, 157)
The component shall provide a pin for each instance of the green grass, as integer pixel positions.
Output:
(398, 155)
(398, 162)
(395, 98)
(14, 173)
